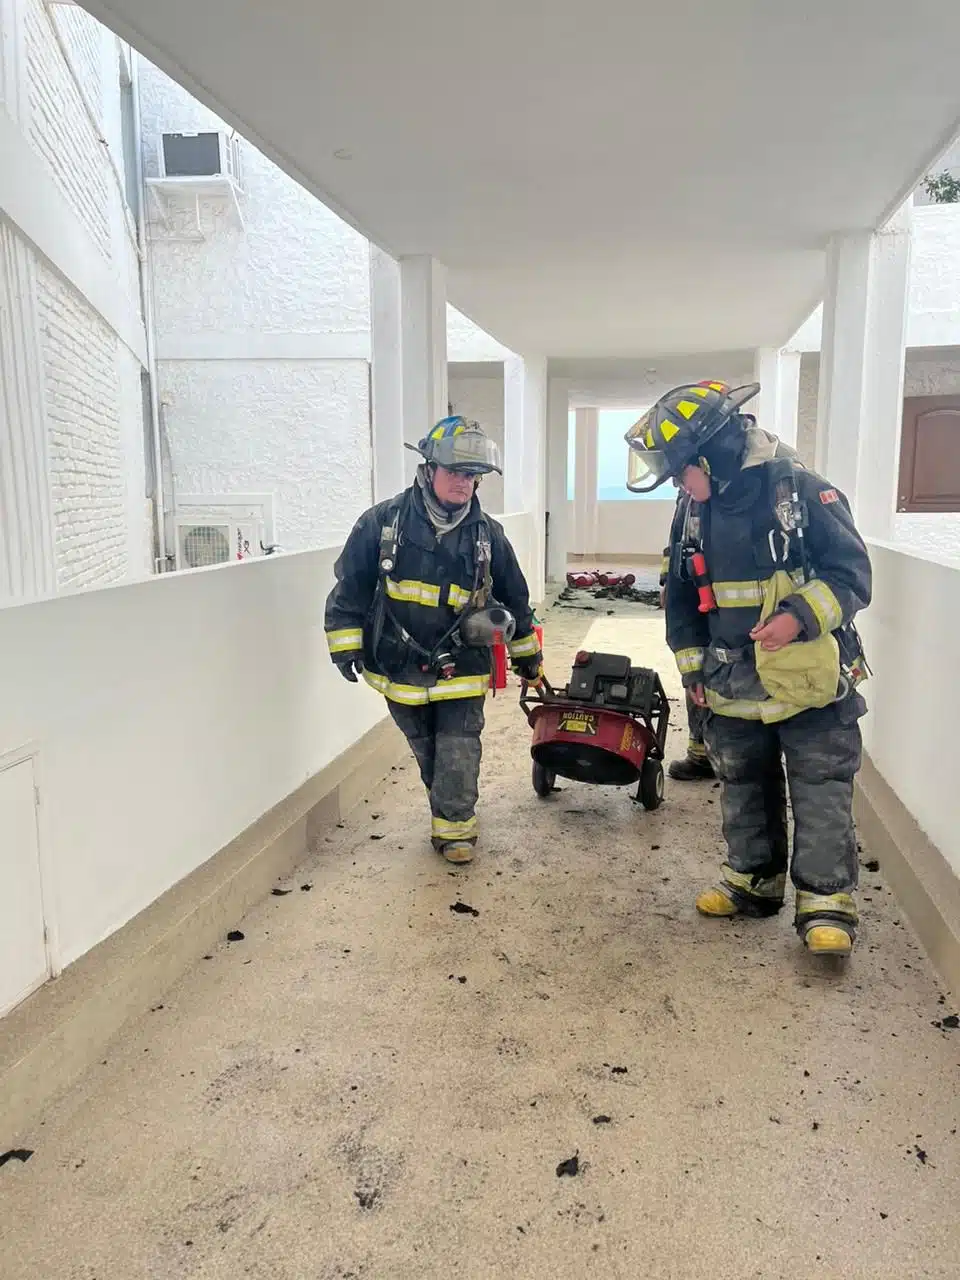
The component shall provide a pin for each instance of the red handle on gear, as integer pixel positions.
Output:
(708, 601)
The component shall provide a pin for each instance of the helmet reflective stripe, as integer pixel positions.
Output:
(452, 426)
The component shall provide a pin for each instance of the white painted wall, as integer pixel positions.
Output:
(296, 429)
(61, 190)
(933, 318)
(263, 339)
(169, 715)
(926, 373)
(521, 531)
(466, 341)
(639, 528)
(481, 398)
(910, 637)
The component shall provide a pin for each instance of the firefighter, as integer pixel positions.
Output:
(764, 640)
(695, 765)
(426, 582)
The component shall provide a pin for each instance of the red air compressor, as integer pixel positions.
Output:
(607, 727)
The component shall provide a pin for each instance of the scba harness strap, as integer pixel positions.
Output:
(785, 536)
(441, 657)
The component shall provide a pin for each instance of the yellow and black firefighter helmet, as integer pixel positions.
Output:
(672, 433)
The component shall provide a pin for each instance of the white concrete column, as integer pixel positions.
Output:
(525, 454)
(883, 386)
(861, 369)
(514, 489)
(777, 406)
(27, 562)
(423, 348)
(558, 423)
(386, 376)
(586, 508)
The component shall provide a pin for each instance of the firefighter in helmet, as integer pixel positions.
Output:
(425, 584)
(695, 765)
(766, 572)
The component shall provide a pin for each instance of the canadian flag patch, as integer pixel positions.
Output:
(829, 495)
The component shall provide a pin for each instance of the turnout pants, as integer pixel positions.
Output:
(696, 717)
(445, 739)
(821, 750)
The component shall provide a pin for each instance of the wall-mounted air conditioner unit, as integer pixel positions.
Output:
(218, 530)
(200, 155)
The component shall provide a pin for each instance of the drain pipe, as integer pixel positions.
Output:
(146, 302)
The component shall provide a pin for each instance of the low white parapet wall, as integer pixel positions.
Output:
(911, 636)
(166, 717)
(908, 794)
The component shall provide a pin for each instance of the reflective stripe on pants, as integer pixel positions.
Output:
(445, 739)
(822, 750)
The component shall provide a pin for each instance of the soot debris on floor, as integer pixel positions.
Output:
(280, 893)
(17, 1153)
(235, 936)
(872, 864)
(462, 909)
(601, 1120)
(569, 1168)
(950, 1023)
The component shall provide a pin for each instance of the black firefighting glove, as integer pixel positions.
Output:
(349, 665)
(529, 669)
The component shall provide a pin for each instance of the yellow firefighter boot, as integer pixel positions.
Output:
(457, 852)
(714, 902)
(828, 940)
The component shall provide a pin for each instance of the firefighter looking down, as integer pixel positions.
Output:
(766, 573)
(695, 765)
(426, 583)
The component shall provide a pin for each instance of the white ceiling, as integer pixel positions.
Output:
(602, 179)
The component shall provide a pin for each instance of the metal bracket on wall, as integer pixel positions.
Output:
(170, 193)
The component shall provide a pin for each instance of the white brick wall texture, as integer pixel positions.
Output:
(84, 37)
(62, 132)
(87, 463)
(91, 381)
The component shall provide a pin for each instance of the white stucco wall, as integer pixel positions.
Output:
(295, 429)
(466, 341)
(64, 200)
(482, 398)
(262, 337)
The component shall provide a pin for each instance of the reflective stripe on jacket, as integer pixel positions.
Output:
(741, 537)
(429, 585)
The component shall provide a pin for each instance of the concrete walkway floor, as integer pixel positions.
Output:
(373, 1086)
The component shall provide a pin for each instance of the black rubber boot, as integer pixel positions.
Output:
(690, 769)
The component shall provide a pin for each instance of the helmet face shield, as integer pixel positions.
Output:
(647, 469)
(647, 466)
(469, 451)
